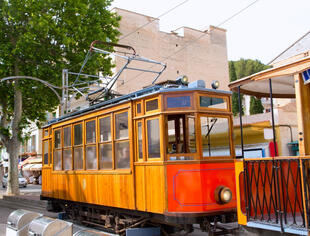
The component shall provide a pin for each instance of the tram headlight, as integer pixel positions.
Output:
(183, 79)
(223, 195)
(215, 84)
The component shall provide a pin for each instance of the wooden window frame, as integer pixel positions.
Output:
(225, 98)
(158, 98)
(120, 140)
(136, 108)
(48, 152)
(78, 145)
(106, 142)
(59, 148)
(95, 144)
(230, 130)
(137, 141)
(150, 159)
(191, 107)
(67, 147)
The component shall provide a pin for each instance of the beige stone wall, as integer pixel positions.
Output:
(204, 58)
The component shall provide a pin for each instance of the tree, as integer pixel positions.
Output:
(40, 38)
(243, 68)
(256, 106)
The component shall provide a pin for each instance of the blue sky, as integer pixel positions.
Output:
(261, 32)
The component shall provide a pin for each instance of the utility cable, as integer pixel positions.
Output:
(195, 40)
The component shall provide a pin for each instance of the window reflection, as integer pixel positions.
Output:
(105, 156)
(121, 125)
(215, 136)
(122, 155)
(153, 138)
(91, 158)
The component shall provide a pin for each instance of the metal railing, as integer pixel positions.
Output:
(274, 191)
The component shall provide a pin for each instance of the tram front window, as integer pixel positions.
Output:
(215, 136)
(181, 136)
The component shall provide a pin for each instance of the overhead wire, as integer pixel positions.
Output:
(195, 40)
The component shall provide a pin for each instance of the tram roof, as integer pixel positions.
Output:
(149, 91)
(282, 78)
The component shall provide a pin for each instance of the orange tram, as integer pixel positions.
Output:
(163, 155)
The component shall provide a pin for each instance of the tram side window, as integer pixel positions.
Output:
(45, 153)
(78, 147)
(91, 150)
(57, 150)
(122, 149)
(213, 102)
(105, 146)
(153, 138)
(215, 136)
(121, 125)
(181, 136)
(67, 153)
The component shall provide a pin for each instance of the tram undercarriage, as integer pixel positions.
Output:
(117, 220)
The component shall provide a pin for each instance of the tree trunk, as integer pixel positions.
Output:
(14, 143)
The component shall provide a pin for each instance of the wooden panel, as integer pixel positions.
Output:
(94, 188)
(155, 189)
(303, 114)
(140, 187)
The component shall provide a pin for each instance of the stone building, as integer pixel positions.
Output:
(200, 55)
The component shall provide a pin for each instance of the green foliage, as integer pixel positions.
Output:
(241, 69)
(256, 106)
(235, 99)
(40, 38)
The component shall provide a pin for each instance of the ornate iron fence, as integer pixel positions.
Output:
(273, 191)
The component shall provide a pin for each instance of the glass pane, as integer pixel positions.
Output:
(91, 131)
(153, 139)
(191, 135)
(151, 105)
(171, 137)
(57, 160)
(105, 156)
(67, 159)
(139, 108)
(140, 151)
(91, 158)
(105, 129)
(45, 132)
(45, 154)
(78, 158)
(67, 136)
(212, 102)
(121, 125)
(78, 134)
(184, 101)
(122, 155)
(57, 138)
(215, 136)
